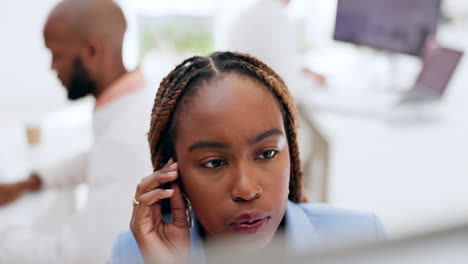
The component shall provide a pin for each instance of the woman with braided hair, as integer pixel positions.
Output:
(226, 160)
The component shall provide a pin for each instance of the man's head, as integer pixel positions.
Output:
(85, 38)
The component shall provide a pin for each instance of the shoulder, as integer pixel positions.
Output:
(125, 249)
(333, 223)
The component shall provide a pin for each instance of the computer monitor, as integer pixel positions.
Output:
(398, 25)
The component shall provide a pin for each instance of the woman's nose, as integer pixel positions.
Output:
(245, 186)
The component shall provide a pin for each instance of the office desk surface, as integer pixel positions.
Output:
(412, 174)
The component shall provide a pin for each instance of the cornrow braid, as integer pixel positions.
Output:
(186, 77)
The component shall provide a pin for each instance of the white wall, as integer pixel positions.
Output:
(28, 86)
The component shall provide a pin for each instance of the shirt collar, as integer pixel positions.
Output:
(300, 232)
(197, 251)
(127, 83)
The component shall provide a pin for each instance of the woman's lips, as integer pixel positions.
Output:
(250, 223)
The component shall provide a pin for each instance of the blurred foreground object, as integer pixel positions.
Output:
(442, 246)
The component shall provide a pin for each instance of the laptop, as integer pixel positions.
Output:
(435, 75)
(439, 64)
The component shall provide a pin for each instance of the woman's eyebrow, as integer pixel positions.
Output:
(207, 144)
(266, 134)
(216, 144)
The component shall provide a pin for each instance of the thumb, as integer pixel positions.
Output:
(178, 208)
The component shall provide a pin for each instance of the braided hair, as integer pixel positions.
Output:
(181, 84)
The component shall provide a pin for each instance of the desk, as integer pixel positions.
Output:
(413, 175)
(46, 209)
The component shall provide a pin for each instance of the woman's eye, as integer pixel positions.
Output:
(213, 163)
(268, 154)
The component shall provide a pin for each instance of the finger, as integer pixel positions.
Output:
(168, 164)
(143, 218)
(152, 174)
(179, 216)
(155, 195)
(147, 214)
(155, 180)
(151, 209)
(164, 168)
(142, 214)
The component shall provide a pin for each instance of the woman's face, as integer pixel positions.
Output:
(233, 159)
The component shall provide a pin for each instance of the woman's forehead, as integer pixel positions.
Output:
(234, 104)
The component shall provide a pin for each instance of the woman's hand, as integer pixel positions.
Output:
(160, 242)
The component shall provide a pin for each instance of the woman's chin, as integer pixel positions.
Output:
(245, 242)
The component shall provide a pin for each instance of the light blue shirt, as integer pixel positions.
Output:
(308, 226)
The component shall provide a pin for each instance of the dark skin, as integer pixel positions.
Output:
(70, 37)
(97, 55)
(229, 141)
(63, 46)
(10, 192)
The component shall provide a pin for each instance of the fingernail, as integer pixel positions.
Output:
(171, 173)
(169, 190)
(173, 166)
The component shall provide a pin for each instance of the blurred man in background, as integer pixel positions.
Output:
(85, 39)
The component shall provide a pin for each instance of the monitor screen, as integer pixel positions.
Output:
(397, 25)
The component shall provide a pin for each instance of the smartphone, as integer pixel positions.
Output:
(165, 203)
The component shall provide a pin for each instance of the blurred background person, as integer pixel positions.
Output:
(265, 31)
(85, 39)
